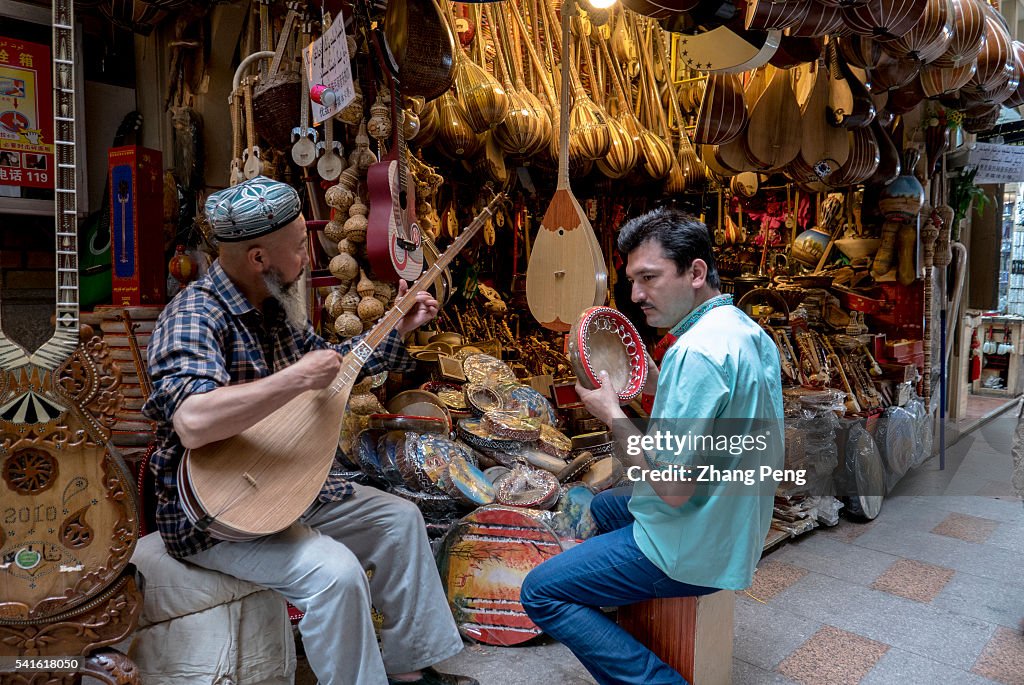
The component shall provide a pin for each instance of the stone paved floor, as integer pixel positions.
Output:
(932, 591)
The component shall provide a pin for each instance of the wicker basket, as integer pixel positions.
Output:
(275, 107)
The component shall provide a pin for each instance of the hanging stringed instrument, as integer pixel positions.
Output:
(260, 481)
(774, 131)
(566, 272)
(69, 523)
(393, 240)
(824, 147)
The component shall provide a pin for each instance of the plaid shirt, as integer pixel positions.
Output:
(211, 336)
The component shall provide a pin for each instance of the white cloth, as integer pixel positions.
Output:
(205, 628)
(321, 566)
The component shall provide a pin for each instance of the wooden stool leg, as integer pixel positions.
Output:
(112, 667)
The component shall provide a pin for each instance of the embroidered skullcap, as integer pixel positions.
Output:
(251, 209)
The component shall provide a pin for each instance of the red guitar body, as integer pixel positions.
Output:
(393, 242)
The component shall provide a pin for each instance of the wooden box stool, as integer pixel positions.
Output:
(693, 635)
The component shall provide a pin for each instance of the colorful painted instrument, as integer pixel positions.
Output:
(602, 339)
(262, 480)
(483, 560)
(525, 486)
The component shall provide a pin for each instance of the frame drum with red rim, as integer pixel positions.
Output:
(602, 339)
(483, 560)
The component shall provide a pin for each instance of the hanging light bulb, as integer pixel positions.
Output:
(601, 4)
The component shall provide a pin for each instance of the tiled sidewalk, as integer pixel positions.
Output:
(932, 591)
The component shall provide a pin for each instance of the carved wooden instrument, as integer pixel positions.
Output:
(252, 161)
(821, 20)
(850, 104)
(393, 240)
(145, 381)
(262, 480)
(566, 272)
(724, 50)
(69, 523)
(775, 14)
(331, 163)
(929, 39)
(773, 134)
(968, 24)
(823, 147)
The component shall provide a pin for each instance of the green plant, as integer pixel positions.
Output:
(962, 193)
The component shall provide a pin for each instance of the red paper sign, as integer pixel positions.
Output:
(26, 114)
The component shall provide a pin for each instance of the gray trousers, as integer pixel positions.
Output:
(320, 565)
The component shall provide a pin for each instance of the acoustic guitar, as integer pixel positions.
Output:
(260, 481)
(394, 243)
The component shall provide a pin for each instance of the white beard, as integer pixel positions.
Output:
(292, 297)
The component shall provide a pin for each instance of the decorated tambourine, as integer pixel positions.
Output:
(510, 426)
(602, 339)
(466, 483)
(420, 424)
(482, 398)
(527, 487)
(528, 401)
(554, 442)
(452, 396)
(487, 370)
(426, 459)
(476, 435)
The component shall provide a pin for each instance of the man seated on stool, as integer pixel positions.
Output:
(227, 352)
(677, 538)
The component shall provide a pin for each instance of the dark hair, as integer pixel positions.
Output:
(682, 237)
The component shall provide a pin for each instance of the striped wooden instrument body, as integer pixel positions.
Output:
(68, 523)
(968, 28)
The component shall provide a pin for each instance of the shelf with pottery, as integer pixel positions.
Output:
(999, 355)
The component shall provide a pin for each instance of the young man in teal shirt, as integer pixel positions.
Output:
(704, 470)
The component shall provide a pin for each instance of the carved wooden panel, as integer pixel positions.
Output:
(105, 620)
(68, 522)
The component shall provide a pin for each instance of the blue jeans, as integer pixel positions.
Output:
(564, 595)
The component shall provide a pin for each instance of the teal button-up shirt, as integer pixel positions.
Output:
(721, 378)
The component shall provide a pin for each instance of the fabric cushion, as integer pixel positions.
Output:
(172, 588)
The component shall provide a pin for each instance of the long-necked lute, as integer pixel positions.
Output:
(260, 481)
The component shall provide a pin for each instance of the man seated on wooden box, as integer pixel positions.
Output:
(228, 351)
(695, 519)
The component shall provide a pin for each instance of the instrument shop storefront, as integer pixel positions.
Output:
(820, 158)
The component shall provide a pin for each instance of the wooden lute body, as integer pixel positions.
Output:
(261, 481)
(566, 272)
